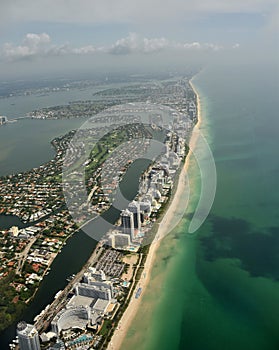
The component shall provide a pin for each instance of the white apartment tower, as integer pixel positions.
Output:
(134, 207)
(28, 337)
(127, 223)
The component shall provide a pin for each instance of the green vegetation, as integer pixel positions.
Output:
(109, 142)
(72, 110)
(107, 325)
(11, 299)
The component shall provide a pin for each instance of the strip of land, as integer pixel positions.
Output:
(164, 227)
(155, 211)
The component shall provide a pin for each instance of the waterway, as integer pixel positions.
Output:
(35, 135)
(25, 143)
(75, 253)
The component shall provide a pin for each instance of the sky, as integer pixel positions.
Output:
(51, 36)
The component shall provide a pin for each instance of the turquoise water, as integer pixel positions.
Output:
(218, 289)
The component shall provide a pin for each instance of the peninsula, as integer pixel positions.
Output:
(122, 258)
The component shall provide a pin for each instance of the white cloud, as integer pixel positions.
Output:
(32, 45)
(157, 44)
(89, 49)
(199, 46)
(34, 40)
(133, 43)
(39, 45)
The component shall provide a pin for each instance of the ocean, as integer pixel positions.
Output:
(218, 288)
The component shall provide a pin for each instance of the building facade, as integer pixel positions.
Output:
(134, 207)
(28, 337)
(127, 223)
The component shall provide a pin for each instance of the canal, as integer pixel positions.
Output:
(74, 254)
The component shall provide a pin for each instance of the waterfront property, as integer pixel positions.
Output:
(28, 337)
(155, 188)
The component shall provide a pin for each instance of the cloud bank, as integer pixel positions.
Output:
(40, 45)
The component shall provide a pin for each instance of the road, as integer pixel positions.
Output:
(60, 302)
(23, 255)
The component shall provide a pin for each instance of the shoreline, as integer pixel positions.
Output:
(133, 306)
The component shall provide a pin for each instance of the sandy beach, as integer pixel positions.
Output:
(165, 226)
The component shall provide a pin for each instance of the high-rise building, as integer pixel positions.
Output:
(145, 207)
(70, 317)
(127, 223)
(97, 290)
(134, 207)
(93, 274)
(28, 337)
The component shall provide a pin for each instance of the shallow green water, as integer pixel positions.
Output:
(218, 289)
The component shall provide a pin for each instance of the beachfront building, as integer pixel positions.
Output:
(134, 207)
(144, 184)
(96, 290)
(127, 223)
(28, 337)
(93, 275)
(145, 207)
(71, 317)
(92, 300)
